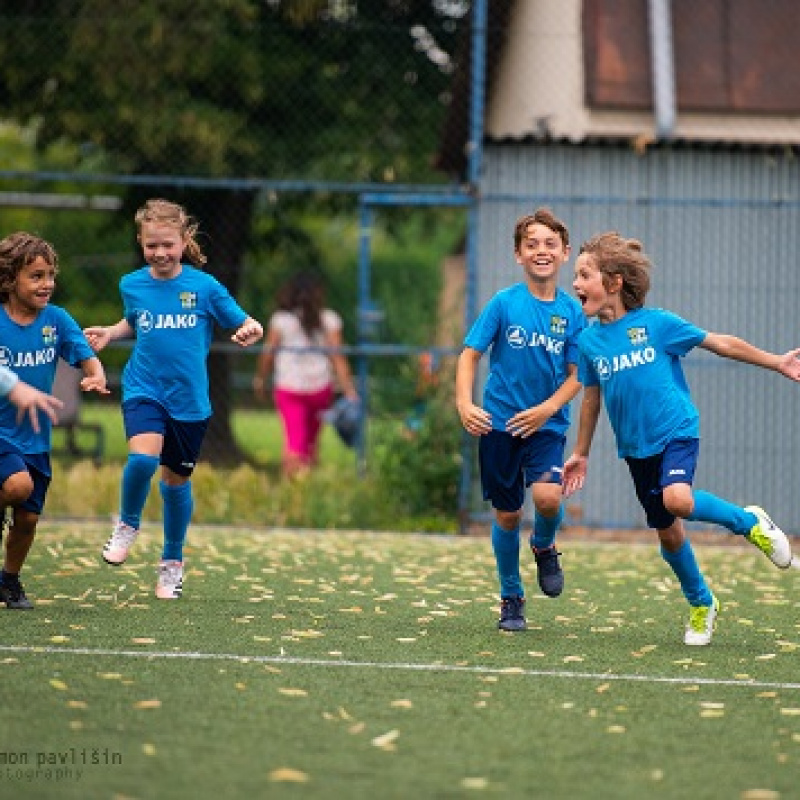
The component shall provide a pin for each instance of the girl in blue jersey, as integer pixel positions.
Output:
(532, 329)
(33, 336)
(171, 308)
(631, 359)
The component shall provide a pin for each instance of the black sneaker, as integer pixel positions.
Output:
(14, 596)
(550, 575)
(511, 616)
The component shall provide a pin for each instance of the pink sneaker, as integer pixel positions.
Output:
(170, 580)
(119, 543)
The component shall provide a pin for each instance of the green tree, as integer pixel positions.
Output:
(232, 89)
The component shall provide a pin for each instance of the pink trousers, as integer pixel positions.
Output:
(302, 421)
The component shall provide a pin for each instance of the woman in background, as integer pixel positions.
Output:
(301, 353)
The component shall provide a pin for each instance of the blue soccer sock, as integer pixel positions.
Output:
(545, 528)
(710, 508)
(178, 507)
(685, 567)
(506, 552)
(136, 476)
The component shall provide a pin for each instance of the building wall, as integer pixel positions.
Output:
(723, 230)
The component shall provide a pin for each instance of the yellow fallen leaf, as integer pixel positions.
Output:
(59, 639)
(149, 749)
(147, 704)
(57, 684)
(710, 713)
(759, 794)
(402, 704)
(765, 657)
(615, 729)
(790, 712)
(77, 704)
(474, 783)
(603, 688)
(288, 775)
(143, 640)
(386, 739)
(294, 692)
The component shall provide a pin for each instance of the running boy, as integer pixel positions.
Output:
(631, 359)
(34, 335)
(532, 329)
(171, 308)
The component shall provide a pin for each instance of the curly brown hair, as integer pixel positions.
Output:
(18, 250)
(613, 254)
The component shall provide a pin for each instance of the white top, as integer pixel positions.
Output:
(297, 371)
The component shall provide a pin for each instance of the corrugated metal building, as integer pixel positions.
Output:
(697, 156)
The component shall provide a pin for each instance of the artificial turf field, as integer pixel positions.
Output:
(357, 665)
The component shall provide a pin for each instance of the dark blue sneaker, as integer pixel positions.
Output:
(550, 575)
(511, 616)
(13, 595)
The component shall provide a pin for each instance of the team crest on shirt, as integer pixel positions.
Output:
(637, 336)
(188, 299)
(558, 325)
(49, 334)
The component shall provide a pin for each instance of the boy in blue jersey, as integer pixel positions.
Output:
(33, 336)
(171, 308)
(631, 359)
(532, 330)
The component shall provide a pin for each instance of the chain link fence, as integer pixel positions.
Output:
(336, 135)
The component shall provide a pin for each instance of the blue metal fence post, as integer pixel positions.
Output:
(475, 155)
(365, 215)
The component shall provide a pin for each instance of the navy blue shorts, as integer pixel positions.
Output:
(676, 464)
(509, 464)
(37, 466)
(182, 440)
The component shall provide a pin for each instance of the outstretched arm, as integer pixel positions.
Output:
(475, 420)
(576, 465)
(99, 336)
(249, 332)
(727, 346)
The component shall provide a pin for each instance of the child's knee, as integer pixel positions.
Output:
(678, 500)
(17, 488)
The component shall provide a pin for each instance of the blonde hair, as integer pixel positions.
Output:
(18, 250)
(163, 212)
(615, 255)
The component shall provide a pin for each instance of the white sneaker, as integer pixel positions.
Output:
(701, 623)
(170, 580)
(119, 543)
(769, 539)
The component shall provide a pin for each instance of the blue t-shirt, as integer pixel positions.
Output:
(174, 323)
(636, 363)
(532, 343)
(32, 352)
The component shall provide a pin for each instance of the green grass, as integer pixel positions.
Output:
(356, 665)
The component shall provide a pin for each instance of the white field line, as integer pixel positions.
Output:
(410, 667)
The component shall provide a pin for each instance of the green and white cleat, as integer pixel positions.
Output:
(769, 539)
(701, 623)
